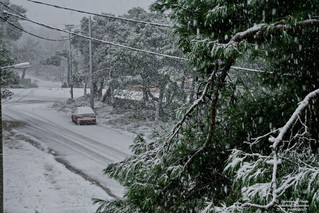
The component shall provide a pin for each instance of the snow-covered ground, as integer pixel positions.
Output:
(50, 164)
(35, 182)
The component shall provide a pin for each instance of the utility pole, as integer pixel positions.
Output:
(71, 73)
(1, 145)
(90, 64)
(1, 151)
(111, 88)
(70, 80)
(16, 66)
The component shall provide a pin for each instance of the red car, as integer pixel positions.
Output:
(83, 115)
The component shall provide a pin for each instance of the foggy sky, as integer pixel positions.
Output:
(58, 17)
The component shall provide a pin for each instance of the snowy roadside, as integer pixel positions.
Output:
(35, 182)
(35, 179)
(121, 117)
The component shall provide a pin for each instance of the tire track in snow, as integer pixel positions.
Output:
(70, 136)
(67, 164)
(36, 144)
(19, 93)
(69, 139)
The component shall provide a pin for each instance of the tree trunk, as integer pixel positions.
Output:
(109, 93)
(157, 111)
(106, 95)
(192, 92)
(23, 73)
(183, 96)
(112, 96)
(99, 89)
(94, 87)
(159, 106)
(145, 94)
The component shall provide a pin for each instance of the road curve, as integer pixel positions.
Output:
(86, 150)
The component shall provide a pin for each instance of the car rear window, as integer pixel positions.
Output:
(85, 110)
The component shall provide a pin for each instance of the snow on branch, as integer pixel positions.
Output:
(238, 37)
(224, 50)
(253, 169)
(260, 29)
(294, 117)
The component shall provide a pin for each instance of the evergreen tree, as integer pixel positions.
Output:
(121, 69)
(7, 35)
(8, 30)
(7, 76)
(183, 170)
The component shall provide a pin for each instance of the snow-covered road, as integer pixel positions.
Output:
(83, 150)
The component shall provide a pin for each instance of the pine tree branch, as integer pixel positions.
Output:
(302, 106)
(213, 110)
(294, 117)
(259, 30)
(196, 103)
(250, 32)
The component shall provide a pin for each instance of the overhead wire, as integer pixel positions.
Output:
(249, 69)
(4, 5)
(104, 41)
(37, 36)
(102, 15)
(97, 40)
(16, 12)
(25, 31)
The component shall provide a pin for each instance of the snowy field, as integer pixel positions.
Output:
(50, 164)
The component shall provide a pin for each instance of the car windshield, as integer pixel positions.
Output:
(85, 110)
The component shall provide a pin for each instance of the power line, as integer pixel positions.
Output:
(25, 31)
(249, 69)
(114, 44)
(127, 47)
(98, 40)
(4, 5)
(101, 15)
(37, 36)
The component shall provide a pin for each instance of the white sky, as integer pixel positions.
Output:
(57, 17)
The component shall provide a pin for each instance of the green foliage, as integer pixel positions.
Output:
(185, 171)
(5, 56)
(7, 76)
(297, 178)
(294, 64)
(215, 21)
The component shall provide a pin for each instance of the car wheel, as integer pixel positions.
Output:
(78, 122)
